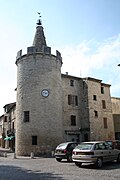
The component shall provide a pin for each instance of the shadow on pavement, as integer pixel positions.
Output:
(106, 166)
(17, 173)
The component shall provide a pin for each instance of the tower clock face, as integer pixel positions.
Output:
(45, 93)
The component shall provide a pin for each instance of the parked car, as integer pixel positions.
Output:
(64, 151)
(114, 143)
(96, 152)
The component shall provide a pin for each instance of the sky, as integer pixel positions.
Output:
(87, 33)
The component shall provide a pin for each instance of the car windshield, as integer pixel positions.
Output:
(84, 146)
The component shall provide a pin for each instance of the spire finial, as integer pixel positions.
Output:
(39, 23)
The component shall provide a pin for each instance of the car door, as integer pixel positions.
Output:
(114, 153)
(102, 151)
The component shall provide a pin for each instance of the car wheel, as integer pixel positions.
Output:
(59, 159)
(99, 163)
(118, 158)
(69, 158)
(78, 164)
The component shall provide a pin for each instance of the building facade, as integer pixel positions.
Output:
(116, 115)
(87, 109)
(8, 126)
(75, 112)
(100, 110)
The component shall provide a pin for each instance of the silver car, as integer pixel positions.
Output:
(95, 152)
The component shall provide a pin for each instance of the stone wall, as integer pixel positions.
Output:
(80, 111)
(97, 112)
(116, 115)
(115, 105)
(36, 72)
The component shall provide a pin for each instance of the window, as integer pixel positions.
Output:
(73, 120)
(105, 123)
(71, 82)
(94, 97)
(26, 116)
(96, 113)
(102, 90)
(5, 109)
(13, 125)
(76, 100)
(103, 104)
(72, 100)
(100, 146)
(69, 99)
(5, 118)
(34, 140)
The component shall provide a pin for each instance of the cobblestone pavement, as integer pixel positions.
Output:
(25, 168)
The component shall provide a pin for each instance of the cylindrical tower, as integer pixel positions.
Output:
(39, 126)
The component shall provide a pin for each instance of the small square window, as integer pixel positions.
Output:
(12, 125)
(105, 123)
(26, 116)
(5, 118)
(103, 104)
(102, 90)
(96, 113)
(95, 97)
(76, 100)
(72, 100)
(71, 82)
(34, 140)
(73, 120)
(69, 99)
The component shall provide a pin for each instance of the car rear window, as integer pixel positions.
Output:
(62, 146)
(114, 144)
(84, 146)
(109, 143)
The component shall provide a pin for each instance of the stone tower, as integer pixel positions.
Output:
(39, 126)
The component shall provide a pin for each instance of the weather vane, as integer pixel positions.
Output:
(39, 14)
(39, 20)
